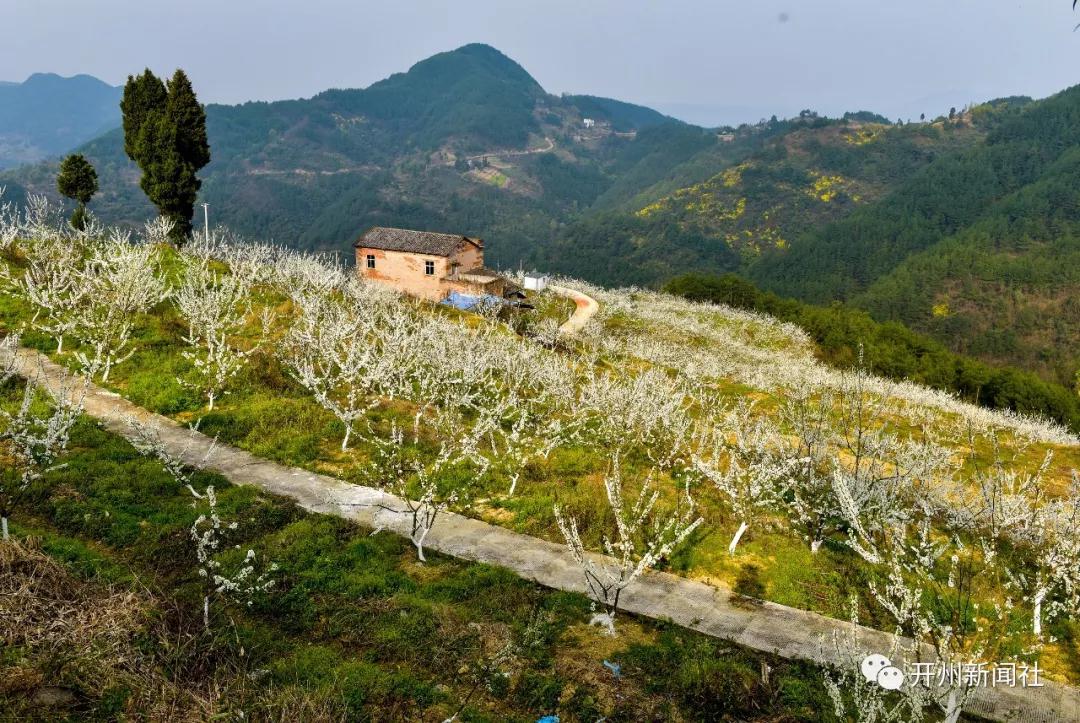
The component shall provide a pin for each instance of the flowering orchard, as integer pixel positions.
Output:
(719, 423)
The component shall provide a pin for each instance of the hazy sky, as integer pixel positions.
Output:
(708, 61)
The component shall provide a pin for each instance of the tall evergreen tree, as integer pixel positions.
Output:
(189, 117)
(167, 180)
(78, 181)
(165, 133)
(144, 95)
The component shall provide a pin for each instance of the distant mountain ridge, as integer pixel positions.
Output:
(710, 214)
(47, 115)
(465, 140)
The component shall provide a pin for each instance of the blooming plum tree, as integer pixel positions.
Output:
(208, 532)
(119, 281)
(643, 537)
(749, 471)
(33, 437)
(216, 309)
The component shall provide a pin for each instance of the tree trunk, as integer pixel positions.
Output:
(815, 545)
(348, 433)
(605, 621)
(206, 612)
(419, 542)
(1037, 617)
(737, 537)
(60, 344)
(3, 527)
(210, 407)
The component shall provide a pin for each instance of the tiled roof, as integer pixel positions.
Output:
(482, 271)
(419, 242)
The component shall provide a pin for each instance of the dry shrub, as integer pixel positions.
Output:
(77, 636)
(43, 607)
(293, 703)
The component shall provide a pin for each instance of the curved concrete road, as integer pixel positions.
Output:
(712, 610)
(586, 309)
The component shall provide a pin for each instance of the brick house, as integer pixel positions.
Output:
(427, 264)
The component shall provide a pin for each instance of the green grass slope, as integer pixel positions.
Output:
(353, 629)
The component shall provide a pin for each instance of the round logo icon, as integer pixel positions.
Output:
(874, 664)
(890, 677)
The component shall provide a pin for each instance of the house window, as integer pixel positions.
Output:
(371, 261)
(429, 268)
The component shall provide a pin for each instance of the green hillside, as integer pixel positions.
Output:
(622, 116)
(846, 336)
(961, 228)
(978, 249)
(656, 392)
(724, 208)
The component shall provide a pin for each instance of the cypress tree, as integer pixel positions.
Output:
(144, 95)
(189, 117)
(167, 180)
(78, 181)
(165, 134)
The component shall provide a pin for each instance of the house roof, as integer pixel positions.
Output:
(480, 272)
(419, 242)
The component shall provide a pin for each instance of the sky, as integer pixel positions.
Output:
(706, 61)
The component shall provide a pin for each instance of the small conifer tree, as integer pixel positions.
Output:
(78, 181)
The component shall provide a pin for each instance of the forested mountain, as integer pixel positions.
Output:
(980, 249)
(46, 115)
(465, 140)
(964, 228)
(717, 213)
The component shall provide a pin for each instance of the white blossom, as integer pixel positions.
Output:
(183, 463)
(330, 352)
(643, 537)
(54, 284)
(9, 357)
(216, 309)
(415, 480)
(32, 438)
(9, 222)
(749, 470)
(119, 281)
(240, 583)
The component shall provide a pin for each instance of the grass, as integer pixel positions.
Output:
(268, 414)
(355, 628)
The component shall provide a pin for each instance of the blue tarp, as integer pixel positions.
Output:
(466, 302)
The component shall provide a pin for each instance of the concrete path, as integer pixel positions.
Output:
(508, 153)
(586, 309)
(762, 626)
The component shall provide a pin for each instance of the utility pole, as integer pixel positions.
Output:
(206, 221)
